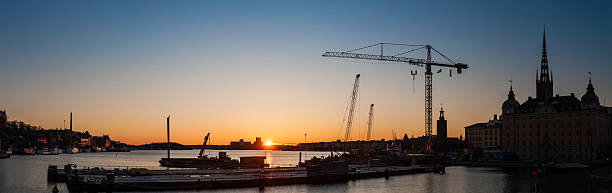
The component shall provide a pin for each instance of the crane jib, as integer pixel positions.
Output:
(413, 61)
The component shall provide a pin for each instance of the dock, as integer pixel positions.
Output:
(97, 179)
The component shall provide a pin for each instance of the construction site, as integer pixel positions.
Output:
(349, 158)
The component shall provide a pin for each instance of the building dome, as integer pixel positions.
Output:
(590, 97)
(510, 105)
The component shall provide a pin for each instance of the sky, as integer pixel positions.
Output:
(246, 69)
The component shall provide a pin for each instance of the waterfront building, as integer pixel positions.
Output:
(3, 119)
(485, 135)
(241, 144)
(550, 127)
(258, 143)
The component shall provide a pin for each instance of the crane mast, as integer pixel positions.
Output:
(349, 122)
(428, 99)
(370, 119)
(428, 63)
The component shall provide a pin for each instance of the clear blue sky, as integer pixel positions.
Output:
(247, 68)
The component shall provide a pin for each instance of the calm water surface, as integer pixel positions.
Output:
(28, 174)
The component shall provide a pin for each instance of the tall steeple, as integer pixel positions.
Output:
(544, 84)
(442, 126)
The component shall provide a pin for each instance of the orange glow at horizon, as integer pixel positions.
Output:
(268, 143)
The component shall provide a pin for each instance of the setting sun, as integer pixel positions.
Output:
(268, 143)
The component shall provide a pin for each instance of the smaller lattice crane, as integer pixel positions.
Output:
(370, 122)
(204, 146)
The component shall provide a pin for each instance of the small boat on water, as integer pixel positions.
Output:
(71, 150)
(4, 154)
(43, 151)
(26, 151)
(55, 151)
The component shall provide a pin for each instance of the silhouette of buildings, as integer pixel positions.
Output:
(245, 145)
(484, 135)
(555, 127)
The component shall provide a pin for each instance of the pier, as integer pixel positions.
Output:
(98, 179)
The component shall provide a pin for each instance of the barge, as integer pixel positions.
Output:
(101, 180)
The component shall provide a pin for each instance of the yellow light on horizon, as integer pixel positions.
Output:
(268, 143)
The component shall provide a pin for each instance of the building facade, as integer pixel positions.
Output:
(484, 135)
(548, 128)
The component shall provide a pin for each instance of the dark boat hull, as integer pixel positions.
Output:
(197, 163)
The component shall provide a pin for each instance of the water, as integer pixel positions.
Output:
(28, 174)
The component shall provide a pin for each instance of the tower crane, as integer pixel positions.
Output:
(370, 119)
(427, 63)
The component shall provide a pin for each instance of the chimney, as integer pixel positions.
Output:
(70, 121)
(494, 117)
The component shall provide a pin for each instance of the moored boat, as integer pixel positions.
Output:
(4, 155)
(43, 151)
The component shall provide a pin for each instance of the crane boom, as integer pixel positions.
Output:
(428, 63)
(204, 145)
(370, 119)
(413, 61)
(349, 122)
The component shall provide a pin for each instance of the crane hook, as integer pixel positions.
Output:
(413, 73)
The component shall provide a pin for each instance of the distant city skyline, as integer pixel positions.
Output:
(247, 69)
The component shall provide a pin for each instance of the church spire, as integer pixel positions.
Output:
(544, 75)
(544, 84)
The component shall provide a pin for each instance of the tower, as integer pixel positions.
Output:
(70, 121)
(510, 105)
(590, 100)
(441, 124)
(544, 83)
